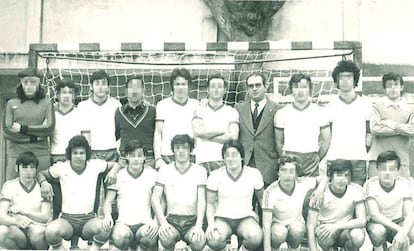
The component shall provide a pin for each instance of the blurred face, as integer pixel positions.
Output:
(78, 158)
(180, 88)
(393, 89)
(256, 88)
(387, 173)
(135, 90)
(300, 91)
(340, 180)
(136, 159)
(345, 81)
(216, 89)
(287, 174)
(27, 173)
(182, 152)
(100, 88)
(66, 96)
(30, 85)
(232, 158)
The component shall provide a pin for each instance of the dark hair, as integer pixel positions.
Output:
(27, 158)
(216, 76)
(346, 66)
(233, 143)
(40, 93)
(132, 78)
(393, 77)
(99, 74)
(65, 82)
(388, 155)
(296, 78)
(181, 139)
(284, 158)
(133, 145)
(179, 72)
(29, 72)
(78, 141)
(258, 74)
(339, 165)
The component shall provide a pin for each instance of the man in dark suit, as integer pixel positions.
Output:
(257, 128)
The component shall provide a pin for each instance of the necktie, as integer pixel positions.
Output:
(255, 111)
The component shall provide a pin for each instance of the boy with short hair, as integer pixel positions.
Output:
(23, 211)
(184, 186)
(132, 191)
(333, 224)
(390, 206)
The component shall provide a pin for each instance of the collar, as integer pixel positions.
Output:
(301, 109)
(261, 103)
(35, 99)
(397, 104)
(138, 107)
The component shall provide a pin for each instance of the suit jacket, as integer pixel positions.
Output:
(262, 142)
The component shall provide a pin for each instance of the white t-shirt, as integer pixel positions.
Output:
(219, 119)
(78, 189)
(66, 127)
(99, 119)
(348, 128)
(177, 120)
(134, 196)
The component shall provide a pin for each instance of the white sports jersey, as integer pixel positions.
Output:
(100, 121)
(78, 189)
(134, 195)
(301, 127)
(235, 195)
(18, 195)
(177, 120)
(389, 203)
(218, 119)
(348, 128)
(287, 208)
(338, 209)
(66, 126)
(181, 188)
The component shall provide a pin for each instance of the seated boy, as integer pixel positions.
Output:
(341, 217)
(390, 205)
(23, 211)
(282, 205)
(133, 190)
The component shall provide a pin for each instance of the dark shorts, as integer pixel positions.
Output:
(134, 228)
(77, 221)
(212, 165)
(183, 223)
(233, 223)
(391, 232)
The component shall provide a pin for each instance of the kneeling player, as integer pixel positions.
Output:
(390, 205)
(134, 187)
(283, 203)
(78, 177)
(230, 191)
(183, 185)
(23, 212)
(333, 223)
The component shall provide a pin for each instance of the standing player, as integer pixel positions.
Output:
(183, 185)
(349, 117)
(301, 128)
(173, 116)
(333, 224)
(283, 203)
(136, 119)
(133, 189)
(257, 131)
(213, 124)
(97, 118)
(78, 177)
(390, 206)
(392, 124)
(229, 200)
(23, 212)
(28, 121)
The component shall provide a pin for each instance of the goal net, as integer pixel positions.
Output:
(277, 60)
